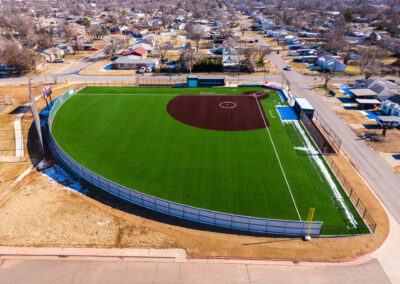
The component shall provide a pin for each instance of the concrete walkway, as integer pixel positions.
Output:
(92, 271)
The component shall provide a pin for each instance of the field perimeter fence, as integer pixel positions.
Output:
(323, 144)
(138, 81)
(358, 204)
(337, 142)
(209, 217)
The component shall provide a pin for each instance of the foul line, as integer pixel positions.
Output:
(277, 156)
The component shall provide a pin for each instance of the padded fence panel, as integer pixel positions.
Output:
(243, 223)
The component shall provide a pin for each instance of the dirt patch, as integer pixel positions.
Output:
(353, 116)
(217, 112)
(387, 144)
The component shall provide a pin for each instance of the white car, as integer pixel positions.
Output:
(142, 70)
(288, 68)
(58, 60)
(149, 69)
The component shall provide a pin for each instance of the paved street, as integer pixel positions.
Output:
(100, 271)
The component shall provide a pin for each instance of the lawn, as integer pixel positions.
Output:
(132, 140)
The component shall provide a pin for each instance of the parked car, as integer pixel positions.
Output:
(58, 60)
(94, 49)
(288, 68)
(256, 40)
(149, 69)
(142, 70)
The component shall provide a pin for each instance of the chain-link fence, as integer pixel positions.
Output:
(320, 140)
(355, 199)
(209, 217)
(337, 142)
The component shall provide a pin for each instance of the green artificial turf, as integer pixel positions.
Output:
(133, 141)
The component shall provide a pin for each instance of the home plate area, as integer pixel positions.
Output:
(219, 112)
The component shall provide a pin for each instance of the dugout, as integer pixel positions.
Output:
(303, 105)
(194, 81)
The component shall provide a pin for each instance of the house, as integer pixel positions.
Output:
(179, 19)
(370, 36)
(66, 48)
(143, 45)
(306, 51)
(290, 39)
(178, 26)
(383, 89)
(52, 53)
(309, 34)
(150, 40)
(328, 63)
(353, 55)
(230, 59)
(139, 51)
(309, 59)
(86, 46)
(266, 24)
(391, 106)
(134, 63)
(140, 33)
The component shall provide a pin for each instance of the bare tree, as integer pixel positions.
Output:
(329, 74)
(188, 58)
(243, 28)
(195, 33)
(263, 51)
(164, 48)
(113, 46)
(96, 31)
(248, 57)
(368, 62)
(13, 55)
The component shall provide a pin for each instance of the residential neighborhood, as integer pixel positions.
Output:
(199, 141)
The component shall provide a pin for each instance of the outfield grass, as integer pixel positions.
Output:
(132, 140)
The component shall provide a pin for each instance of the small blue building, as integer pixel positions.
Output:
(195, 81)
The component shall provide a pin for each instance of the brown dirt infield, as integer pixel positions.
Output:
(218, 112)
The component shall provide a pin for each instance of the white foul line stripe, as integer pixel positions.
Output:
(277, 156)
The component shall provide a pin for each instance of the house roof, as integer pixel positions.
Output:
(384, 89)
(389, 118)
(125, 53)
(368, 101)
(363, 92)
(140, 50)
(133, 60)
(395, 99)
